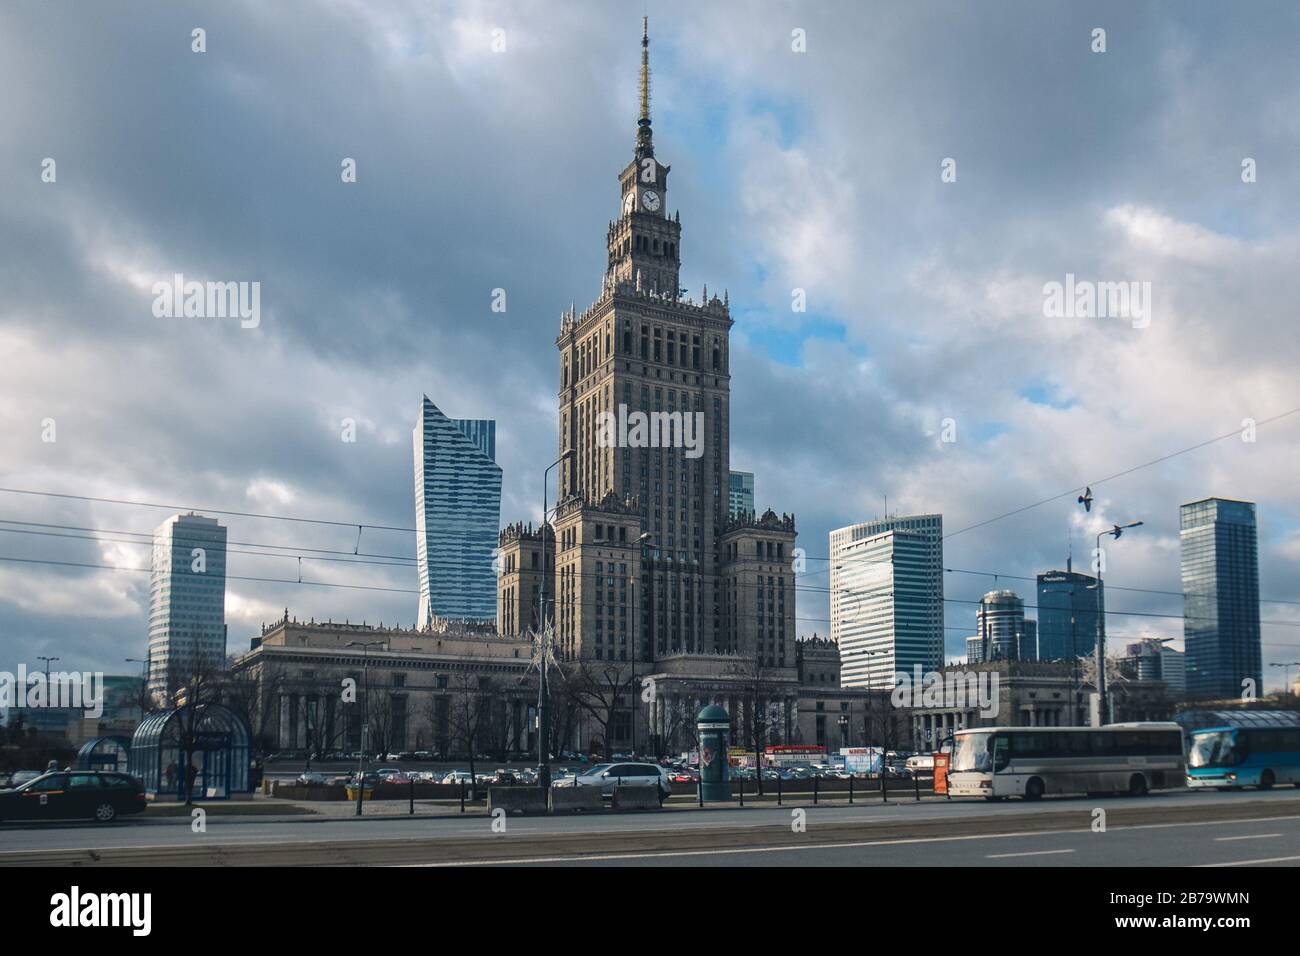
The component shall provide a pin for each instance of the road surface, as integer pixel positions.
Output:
(1183, 828)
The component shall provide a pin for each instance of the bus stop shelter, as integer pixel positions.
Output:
(104, 753)
(211, 738)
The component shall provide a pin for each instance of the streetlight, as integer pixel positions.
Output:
(144, 679)
(1286, 687)
(1115, 533)
(645, 540)
(365, 713)
(543, 751)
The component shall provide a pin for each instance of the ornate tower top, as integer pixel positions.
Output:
(644, 136)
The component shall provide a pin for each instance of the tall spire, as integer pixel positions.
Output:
(644, 141)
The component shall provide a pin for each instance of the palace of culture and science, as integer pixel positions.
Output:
(648, 569)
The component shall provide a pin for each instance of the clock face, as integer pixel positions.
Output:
(650, 199)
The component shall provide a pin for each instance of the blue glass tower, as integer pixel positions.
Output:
(457, 514)
(1220, 597)
(1068, 605)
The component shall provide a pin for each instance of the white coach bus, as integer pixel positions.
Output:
(1030, 762)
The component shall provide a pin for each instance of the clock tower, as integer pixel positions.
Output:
(644, 242)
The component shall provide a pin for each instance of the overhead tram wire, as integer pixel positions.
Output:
(208, 511)
(381, 527)
(367, 587)
(402, 563)
(249, 544)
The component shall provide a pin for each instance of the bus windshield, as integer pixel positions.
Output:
(1218, 749)
(972, 754)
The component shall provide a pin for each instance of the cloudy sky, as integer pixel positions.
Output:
(482, 168)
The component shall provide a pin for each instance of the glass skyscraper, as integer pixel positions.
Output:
(1220, 597)
(457, 514)
(187, 601)
(889, 615)
(741, 493)
(1068, 605)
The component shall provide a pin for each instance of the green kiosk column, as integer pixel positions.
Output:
(714, 725)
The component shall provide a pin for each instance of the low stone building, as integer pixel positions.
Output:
(1028, 694)
(310, 682)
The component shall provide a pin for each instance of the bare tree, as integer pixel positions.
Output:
(884, 725)
(251, 692)
(759, 691)
(598, 688)
(194, 691)
(469, 713)
(436, 714)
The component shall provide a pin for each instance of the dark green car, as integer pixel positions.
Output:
(74, 795)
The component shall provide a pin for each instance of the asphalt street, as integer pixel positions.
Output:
(1163, 829)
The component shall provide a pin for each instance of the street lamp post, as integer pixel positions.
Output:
(1114, 532)
(365, 714)
(543, 749)
(645, 539)
(1286, 675)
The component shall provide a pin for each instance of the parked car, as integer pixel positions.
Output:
(74, 795)
(20, 777)
(607, 776)
(458, 776)
(313, 779)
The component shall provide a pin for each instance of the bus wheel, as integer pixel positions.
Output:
(1137, 785)
(1034, 789)
(1266, 780)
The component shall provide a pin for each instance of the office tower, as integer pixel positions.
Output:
(1068, 607)
(1220, 565)
(1152, 660)
(889, 616)
(974, 650)
(649, 561)
(1000, 621)
(187, 601)
(457, 515)
(930, 527)
(1028, 648)
(742, 493)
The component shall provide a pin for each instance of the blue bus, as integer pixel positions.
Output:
(1233, 757)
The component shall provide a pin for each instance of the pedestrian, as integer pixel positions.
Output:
(191, 772)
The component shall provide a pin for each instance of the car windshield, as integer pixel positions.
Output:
(1213, 750)
(972, 754)
(599, 768)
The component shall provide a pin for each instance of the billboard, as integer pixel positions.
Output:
(862, 759)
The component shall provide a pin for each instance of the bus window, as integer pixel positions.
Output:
(1212, 750)
(972, 754)
(1001, 754)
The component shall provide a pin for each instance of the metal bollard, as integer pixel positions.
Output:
(742, 791)
(884, 789)
(850, 788)
(699, 792)
(462, 796)
(778, 790)
(815, 789)
(412, 795)
(916, 781)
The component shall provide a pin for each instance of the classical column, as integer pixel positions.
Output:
(282, 735)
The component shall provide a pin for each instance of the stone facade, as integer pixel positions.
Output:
(413, 679)
(1035, 694)
(519, 576)
(652, 574)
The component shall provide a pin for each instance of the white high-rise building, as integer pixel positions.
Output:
(187, 601)
(457, 515)
(887, 598)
